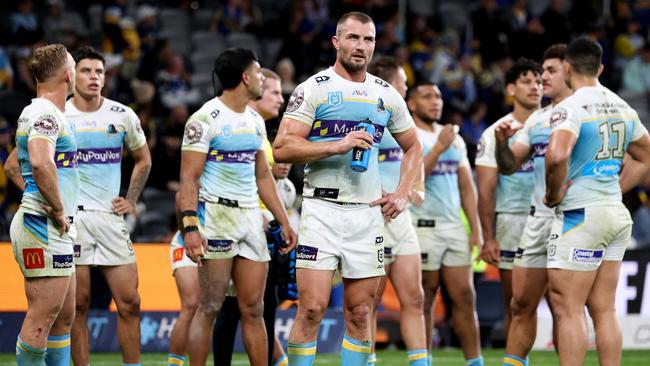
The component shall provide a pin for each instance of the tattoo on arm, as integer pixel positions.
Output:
(138, 180)
(505, 159)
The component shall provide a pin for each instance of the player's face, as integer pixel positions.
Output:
(426, 103)
(90, 78)
(355, 44)
(253, 79)
(528, 90)
(71, 74)
(280, 170)
(553, 77)
(272, 100)
(399, 82)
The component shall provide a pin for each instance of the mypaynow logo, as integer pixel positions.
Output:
(110, 155)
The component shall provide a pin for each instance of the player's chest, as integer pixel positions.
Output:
(354, 104)
(237, 134)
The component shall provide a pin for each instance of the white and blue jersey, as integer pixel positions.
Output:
(43, 120)
(604, 125)
(101, 136)
(332, 107)
(535, 135)
(231, 141)
(513, 191)
(390, 162)
(442, 198)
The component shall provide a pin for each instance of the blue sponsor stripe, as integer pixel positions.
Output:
(394, 154)
(239, 156)
(339, 128)
(572, 218)
(37, 226)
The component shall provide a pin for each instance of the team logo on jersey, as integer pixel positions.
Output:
(559, 115)
(296, 99)
(334, 98)
(381, 82)
(480, 148)
(46, 124)
(226, 132)
(193, 132)
(321, 79)
(111, 130)
(380, 105)
(117, 108)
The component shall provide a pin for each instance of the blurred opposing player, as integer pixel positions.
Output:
(504, 200)
(529, 273)
(103, 128)
(446, 250)
(341, 223)
(401, 248)
(590, 132)
(223, 165)
(42, 231)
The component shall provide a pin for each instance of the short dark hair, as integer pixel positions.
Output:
(356, 15)
(230, 65)
(385, 67)
(584, 55)
(412, 90)
(557, 50)
(522, 67)
(87, 52)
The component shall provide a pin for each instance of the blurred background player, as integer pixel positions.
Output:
(103, 127)
(341, 223)
(401, 248)
(529, 272)
(223, 165)
(504, 200)
(446, 250)
(590, 132)
(42, 231)
(225, 328)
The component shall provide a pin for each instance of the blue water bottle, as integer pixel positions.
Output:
(361, 157)
(274, 234)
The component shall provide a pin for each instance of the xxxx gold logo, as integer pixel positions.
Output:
(33, 258)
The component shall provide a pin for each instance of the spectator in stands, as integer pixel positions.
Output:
(23, 18)
(287, 73)
(6, 72)
(25, 81)
(491, 30)
(63, 26)
(556, 22)
(147, 27)
(153, 61)
(166, 159)
(641, 219)
(236, 16)
(174, 84)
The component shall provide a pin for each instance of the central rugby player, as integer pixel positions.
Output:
(341, 223)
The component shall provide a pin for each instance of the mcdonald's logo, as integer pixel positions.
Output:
(33, 258)
(178, 254)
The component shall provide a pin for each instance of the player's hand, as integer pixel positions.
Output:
(491, 252)
(392, 204)
(195, 246)
(122, 206)
(447, 136)
(359, 139)
(62, 221)
(475, 239)
(290, 238)
(551, 200)
(504, 131)
(417, 197)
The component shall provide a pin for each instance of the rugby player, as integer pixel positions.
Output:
(401, 248)
(446, 249)
(504, 200)
(341, 223)
(529, 281)
(42, 231)
(104, 127)
(591, 131)
(223, 169)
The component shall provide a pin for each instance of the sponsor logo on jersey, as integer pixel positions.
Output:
(321, 79)
(379, 240)
(579, 255)
(117, 108)
(445, 167)
(62, 261)
(77, 250)
(219, 246)
(424, 257)
(33, 258)
(381, 82)
(214, 113)
(388, 252)
(335, 98)
(361, 93)
(177, 255)
(99, 156)
(306, 253)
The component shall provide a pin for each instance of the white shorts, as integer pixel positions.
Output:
(581, 239)
(177, 255)
(509, 228)
(38, 247)
(442, 244)
(400, 237)
(234, 231)
(533, 246)
(102, 240)
(344, 236)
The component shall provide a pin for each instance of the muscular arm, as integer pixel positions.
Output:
(510, 158)
(639, 150)
(559, 149)
(291, 144)
(12, 169)
(411, 162)
(192, 164)
(430, 160)
(487, 178)
(468, 201)
(140, 173)
(41, 154)
(632, 173)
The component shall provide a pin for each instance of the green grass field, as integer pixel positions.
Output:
(386, 358)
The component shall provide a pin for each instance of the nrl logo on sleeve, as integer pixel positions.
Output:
(296, 99)
(46, 124)
(559, 115)
(193, 132)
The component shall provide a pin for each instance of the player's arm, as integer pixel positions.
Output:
(487, 178)
(632, 173)
(139, 176)
(445, 139)
(192, 164)
(12, 169)
(41, 158)
(291, 144)
(468, 201)
(639, 150)
(556, 162)
(418, 193)
(509, 156)
(269, 194)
